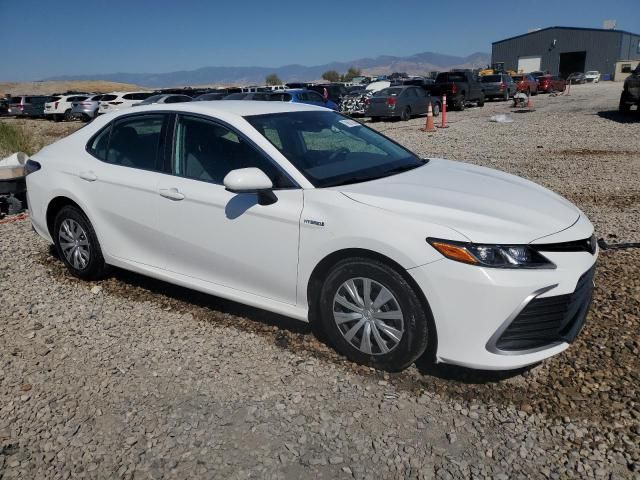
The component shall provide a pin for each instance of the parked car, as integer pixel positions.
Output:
(460, 88)
(304, 212)
(27, 105)
(120, 100)
(86, 109)
(576, 77)
(164, 98)
(401, 102)
(525, 83)
(499, 85)
(631, 92)
(60, 107)
(209, 96)
(592, 76)
(335, 91)
(299, 95)
(264, 96)
(551, 83)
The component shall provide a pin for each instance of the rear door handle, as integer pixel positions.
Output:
(171, 193)
(88, 176)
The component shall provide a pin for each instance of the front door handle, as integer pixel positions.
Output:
(88, 176)
(171, 193)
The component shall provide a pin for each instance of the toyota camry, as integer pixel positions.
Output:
(301, 211)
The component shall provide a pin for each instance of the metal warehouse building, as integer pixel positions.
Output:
(563, 50)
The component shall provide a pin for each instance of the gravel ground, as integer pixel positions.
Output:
(134, 378)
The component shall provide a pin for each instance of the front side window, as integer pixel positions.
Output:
(135, 142)
(331, 149)
(207, 151)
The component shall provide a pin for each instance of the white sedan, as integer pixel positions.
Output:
(592, 76)
(301, 211)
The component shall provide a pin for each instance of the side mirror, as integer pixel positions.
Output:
(251, 180)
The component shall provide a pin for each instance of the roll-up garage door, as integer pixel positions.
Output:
(529, 64)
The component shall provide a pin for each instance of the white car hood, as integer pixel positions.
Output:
(484, 205)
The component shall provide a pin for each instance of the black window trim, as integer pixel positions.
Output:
(221, 123)
(166, 124)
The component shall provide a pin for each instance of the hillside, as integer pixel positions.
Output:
(414, 64)
(49, 87)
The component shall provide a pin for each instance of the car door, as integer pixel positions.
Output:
(118, 183)
(221, 237)
(420, 100)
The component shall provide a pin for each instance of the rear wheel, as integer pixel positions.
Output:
(68, 116)
(462, 102)
(436, 109)
(481, 101)
(505, 96)
(77, 244)
(406, 114)
(372, 315)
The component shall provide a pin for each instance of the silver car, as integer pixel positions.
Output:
(402, 101)
(86, 109)
(499, 85)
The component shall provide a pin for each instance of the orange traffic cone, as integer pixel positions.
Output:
(429, 125)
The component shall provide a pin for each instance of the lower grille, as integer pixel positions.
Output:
(545, 321)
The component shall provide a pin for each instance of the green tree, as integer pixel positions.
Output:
(352, 72)
(273, 79)
(331, 76)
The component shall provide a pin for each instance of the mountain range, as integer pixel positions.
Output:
(417, 64)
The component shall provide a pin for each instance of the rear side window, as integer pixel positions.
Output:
(15, 100)
(134, 142)
(108, 98)
(137, 96)
(76, 99)
(54, 99)
(99, 144)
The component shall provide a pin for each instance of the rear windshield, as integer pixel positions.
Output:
(108, 98)
(389, 92)
(451, 77)
(280, 97)
(76, 99)
(491, 78)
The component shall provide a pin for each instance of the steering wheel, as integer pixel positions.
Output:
(339, 152)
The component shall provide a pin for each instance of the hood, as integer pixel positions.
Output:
(484, 205)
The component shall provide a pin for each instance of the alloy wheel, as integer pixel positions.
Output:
(368, 316)
(74, 244)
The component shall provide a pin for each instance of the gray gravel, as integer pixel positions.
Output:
(134, 378)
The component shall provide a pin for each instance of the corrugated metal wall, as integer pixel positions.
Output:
(603, 48)
(630, 49)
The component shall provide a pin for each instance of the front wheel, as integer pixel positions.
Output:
(77, 244)
(372, 315)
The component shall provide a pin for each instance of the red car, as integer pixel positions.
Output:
(526, 84)
(549, 83)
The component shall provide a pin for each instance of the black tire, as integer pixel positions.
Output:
(481, 101)
(95, 267)
(436, 109)
(534, 93)
(462, 103)
(406, 114)
(56, 117)
(375, 119)
(624, 107)
(505, 97)
(68, 116)
(416, 318)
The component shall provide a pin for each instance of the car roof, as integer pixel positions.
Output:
(240, 108)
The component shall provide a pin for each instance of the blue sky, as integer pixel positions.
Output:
(41, 39)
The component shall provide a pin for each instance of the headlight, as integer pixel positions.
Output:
(495, 256)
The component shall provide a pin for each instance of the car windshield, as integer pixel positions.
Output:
(491, 79)
(592, 73)
(331, 149)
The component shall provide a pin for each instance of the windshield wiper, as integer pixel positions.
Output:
(366, 178)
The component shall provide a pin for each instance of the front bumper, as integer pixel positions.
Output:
(473, 307)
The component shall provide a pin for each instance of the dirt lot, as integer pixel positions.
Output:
(134, 378)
